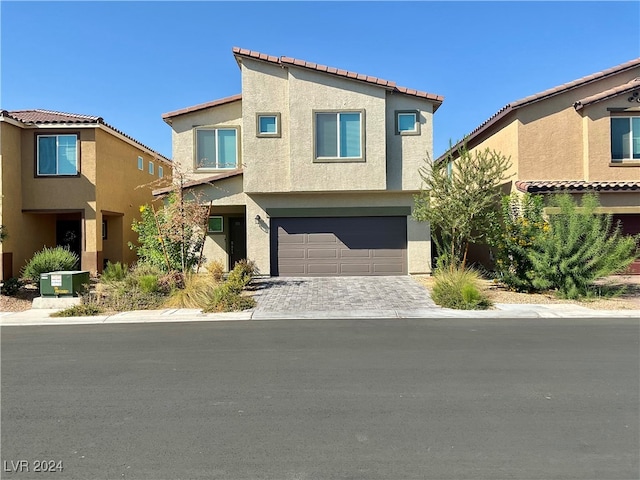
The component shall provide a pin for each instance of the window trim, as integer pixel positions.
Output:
(360, 159)
(140, 163)
(37, 151)
(416, 130)
(631, 159)
(151, 168)
(221, 224)
(277, 133)
(215, 128)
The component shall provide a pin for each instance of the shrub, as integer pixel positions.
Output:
(227, 299)
(82, 310)
(460, 289)
(171, 281)
(114, 272)
(49, 260)
(148, 283)
(522, 226)
(11, 286)
(241, 275)
(216, 269)
(197, 292)
(580, 247)
(122, 297)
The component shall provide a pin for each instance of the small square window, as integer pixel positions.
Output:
(140, 163)
(407, 123)
(268, 125)
(215, 225)
(151, 168)
(160, 172)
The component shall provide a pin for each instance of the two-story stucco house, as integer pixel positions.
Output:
(311, 170)
(71, 180)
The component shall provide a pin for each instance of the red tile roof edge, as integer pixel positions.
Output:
(200, 181)
(550, 186)
(388, 84)
(201, 106)
(504, 111)
(607, 94)
(82, 120)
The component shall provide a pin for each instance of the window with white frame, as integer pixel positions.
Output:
(140, 163)
(215, 224)
(216, 148)
(339, 136)
(150, 168)
(268, 124)
(625, 138)
(160, 172)
(407, 123)
(57, 155)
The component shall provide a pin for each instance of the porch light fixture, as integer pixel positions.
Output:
(258, 219)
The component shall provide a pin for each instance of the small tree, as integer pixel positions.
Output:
(460, 199)
(580, 247)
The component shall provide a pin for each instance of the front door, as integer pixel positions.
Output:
(69, 235)
(237, 240)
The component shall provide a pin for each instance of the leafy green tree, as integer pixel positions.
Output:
(522, 225)
(460, 198)
(580, 247)
(172, 237)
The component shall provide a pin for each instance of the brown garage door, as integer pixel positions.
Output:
(339, 246)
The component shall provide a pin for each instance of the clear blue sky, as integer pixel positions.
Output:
(129, 62)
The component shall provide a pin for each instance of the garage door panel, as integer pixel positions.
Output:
(355, 269)
(322, 269)
(322, 238)
(346, 253)
(322, 253)
(339, 246)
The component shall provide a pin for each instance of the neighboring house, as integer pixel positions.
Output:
(311, 170)
(580, 136)
(71, 180)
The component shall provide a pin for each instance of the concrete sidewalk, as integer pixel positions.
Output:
(41, 316)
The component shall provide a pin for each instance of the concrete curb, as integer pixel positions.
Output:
(41, 316)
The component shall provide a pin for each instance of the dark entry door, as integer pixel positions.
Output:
(69, 235)
(237, 240)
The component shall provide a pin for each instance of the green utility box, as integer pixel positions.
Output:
(63, 284)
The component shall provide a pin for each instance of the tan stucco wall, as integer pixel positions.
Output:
(406, 154)
(418, 234)
(551, 140)
(122, 188)
(267, 166)
(183, 136)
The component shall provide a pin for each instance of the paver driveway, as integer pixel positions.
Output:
(294, 294)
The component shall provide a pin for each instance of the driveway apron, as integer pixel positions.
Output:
(300, 294)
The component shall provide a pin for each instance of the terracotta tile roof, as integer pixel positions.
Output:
(544, 186)
(39, 117)
(200, 181)
(507, 109)
(201, 106)
(49, 117)
(389, 85)
(612, 92)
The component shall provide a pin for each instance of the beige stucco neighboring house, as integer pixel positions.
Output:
(580, 136)
(71, 180)
(311, 170)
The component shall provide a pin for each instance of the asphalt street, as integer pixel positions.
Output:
(328, 399)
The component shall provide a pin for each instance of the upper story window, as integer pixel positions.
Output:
(140, 163)
(216, 148)
(57, 155)
(160, 172)
(625, 138)
(339, 136)
(407, 123)
(268, 124)
(150, 168)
